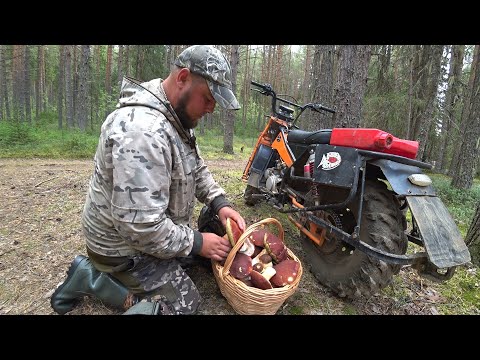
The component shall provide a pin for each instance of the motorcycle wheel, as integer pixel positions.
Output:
(247, 195)
(351, 273)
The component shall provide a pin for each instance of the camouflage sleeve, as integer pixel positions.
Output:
(207, 189)
(142, 164)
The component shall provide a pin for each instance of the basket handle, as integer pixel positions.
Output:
(241, 240)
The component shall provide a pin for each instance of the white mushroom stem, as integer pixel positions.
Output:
(268, 272)
(257, 258)
(248, 248)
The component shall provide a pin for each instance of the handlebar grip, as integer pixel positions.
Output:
(328, 109)
(318, 107)
(256, 84)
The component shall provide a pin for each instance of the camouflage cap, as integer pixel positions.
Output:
(211, 64)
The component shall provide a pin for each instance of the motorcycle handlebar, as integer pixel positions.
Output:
(324, 108)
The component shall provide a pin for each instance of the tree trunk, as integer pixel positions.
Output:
(473, 237)
(108, 82)
(382, 73)
(246, 86)
(127, 60)
(75, 70)
(362, 61)
(421, 55)
(350, 84)
(430, 98)
(83, 87)
(279, 70)
(61, 81)
(2, 80)
(17, 83)
(451, 100)
(230, 114)
(322, 85)
(69, 94)
(305, 95)
(408, 129)
(4, 83)
(463, 178)
(26, 85)
(38, 97)
(119, 66)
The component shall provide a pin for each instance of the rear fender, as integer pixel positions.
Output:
(397, 175)
(439, 233)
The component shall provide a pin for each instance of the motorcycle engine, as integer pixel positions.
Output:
(273, 176)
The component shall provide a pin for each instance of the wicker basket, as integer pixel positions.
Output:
(247, 300)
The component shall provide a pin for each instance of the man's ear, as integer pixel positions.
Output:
(182, 77)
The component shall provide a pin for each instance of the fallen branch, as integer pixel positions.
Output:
(44, 181)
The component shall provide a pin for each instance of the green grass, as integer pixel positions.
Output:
(461, 293)
(460, 203)
(22, 141)
(45, 140)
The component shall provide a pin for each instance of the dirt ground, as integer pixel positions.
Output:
(40, 235)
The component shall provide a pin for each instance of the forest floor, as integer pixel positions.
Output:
(40, 234)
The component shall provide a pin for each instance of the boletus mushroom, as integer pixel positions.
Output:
(257, 250)
(259, 281)
(257, 236)
(233, 231)
(275, 248)
(286, 272)
(241, 266)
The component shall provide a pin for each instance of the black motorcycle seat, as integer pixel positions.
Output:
(309, 137)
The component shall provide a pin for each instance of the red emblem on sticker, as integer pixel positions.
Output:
(330, 161)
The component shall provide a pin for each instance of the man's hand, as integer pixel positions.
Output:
(227, 212)
(215, 247)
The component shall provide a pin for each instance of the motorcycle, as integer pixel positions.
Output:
(350, 191)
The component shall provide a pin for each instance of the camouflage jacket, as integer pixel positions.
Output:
(147, 176)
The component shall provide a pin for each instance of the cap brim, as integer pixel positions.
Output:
(223, 96)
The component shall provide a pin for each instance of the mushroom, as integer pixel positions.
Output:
(247, 248)
(263, 258)
(269, 272)
(241, 266)
(259, 281)
(286, 273)
(233, 231)
(258, 267)
(257, 251)
(247, 281)
(275, 248)
(257, 237)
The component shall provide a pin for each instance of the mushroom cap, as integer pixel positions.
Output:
(275, 248)
(258, 267)
(286, 272)
(233, 231)
(247, 281)
(259, 281)
(241, 266)
(257, 237)
(257, 251)
(265, 258)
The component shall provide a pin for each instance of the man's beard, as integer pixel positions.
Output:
(181, 111)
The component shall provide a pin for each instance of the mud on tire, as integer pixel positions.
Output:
(356, 274)
(247, 195)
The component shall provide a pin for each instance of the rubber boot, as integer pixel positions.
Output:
(209, 222)
(84, 279)
(156, 307)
